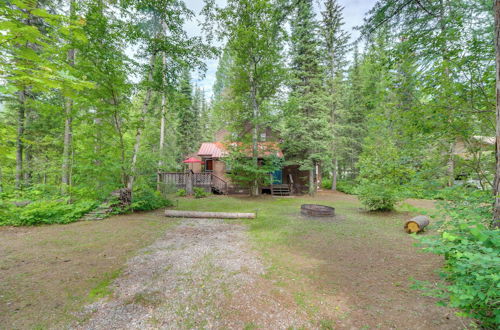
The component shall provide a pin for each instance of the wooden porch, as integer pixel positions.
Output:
(212, 183)
(208, 181)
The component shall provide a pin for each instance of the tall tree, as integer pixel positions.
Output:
(254, 33)
(335, 42)
(496, 188)
(307, 120)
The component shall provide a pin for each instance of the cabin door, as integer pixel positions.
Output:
(278, 177)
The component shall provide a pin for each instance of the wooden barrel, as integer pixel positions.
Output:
(417, 224)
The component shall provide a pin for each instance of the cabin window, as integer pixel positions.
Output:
(209, 165)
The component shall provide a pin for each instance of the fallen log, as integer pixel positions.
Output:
(217, 215)
(417, 224)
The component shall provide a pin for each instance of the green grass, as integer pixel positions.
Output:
(285, 239)
(102, 289)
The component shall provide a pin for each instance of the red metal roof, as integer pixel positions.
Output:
(211, 149)
(191, 160)
(218, 150)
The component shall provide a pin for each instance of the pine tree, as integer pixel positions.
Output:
(307, 119)
(335, 43)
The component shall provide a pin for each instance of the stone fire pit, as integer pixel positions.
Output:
(314, 210)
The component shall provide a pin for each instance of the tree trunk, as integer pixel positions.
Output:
(312, 183)
(68, 127)
(255, 136)
(19, 139)
(163, 114)
(416, 224)
(138, 134)
(496, 188)
(218, 215)
(450, 165)
(27, 172)
(335, 173)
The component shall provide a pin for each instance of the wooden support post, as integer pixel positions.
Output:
(189, 183)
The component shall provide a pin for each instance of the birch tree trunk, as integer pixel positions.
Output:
(138, 134)
(496, 187)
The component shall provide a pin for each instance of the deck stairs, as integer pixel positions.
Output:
(280, 190)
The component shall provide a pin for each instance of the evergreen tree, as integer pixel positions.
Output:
(335, 43)
(307, 119)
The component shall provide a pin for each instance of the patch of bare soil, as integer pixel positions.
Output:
(47, 272)
(201, 274)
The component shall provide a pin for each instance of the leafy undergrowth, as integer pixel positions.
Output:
(472, 257)
(43, 204)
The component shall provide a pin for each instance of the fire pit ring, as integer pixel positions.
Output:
(315, 210)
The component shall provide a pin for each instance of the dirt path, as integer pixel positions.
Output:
(201, 274)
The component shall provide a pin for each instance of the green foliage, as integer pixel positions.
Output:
(44, 212)
(382, 174)
(181, 192)
(245, 172)
(472, 272)
(147, 199)
(472, 256)
(199, 192)
(345, 186)
(377, 197)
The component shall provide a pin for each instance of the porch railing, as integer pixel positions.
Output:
(202, 180)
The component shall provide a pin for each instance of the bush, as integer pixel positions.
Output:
(199, 192)
(348, 187)
(181, 192)
(472, 257)
(345, 186)
(377, 197)
(472, 272)
(45, 212)
(146, 199)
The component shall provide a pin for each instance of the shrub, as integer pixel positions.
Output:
(146, 199)
(199, 192)
(45, 212)
(347, 186)
(472, 257)
(377, 197)
(181, 192)
(472, 272)
(383, 171)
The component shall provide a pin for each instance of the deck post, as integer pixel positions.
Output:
(189, 183)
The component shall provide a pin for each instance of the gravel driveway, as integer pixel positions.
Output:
(200, 274)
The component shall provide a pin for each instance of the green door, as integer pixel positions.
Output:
(278, 177)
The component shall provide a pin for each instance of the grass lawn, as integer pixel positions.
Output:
(350, 272)
(353, 271)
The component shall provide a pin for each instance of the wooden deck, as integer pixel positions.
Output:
(208, 181)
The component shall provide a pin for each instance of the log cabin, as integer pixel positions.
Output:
(211, 170)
